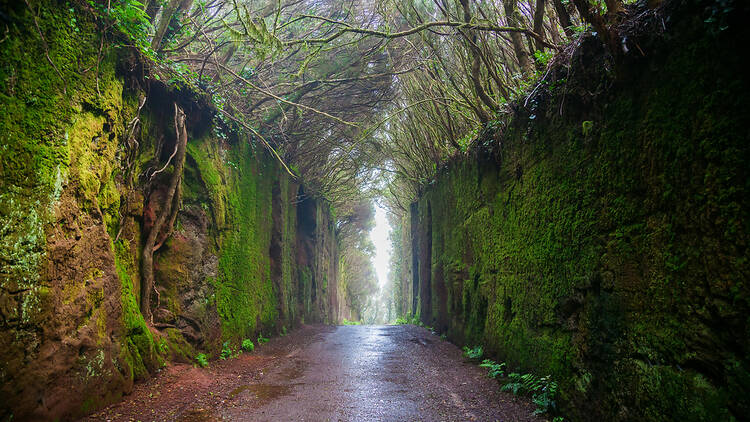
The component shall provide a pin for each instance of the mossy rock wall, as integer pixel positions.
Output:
(74, 199)
(600, 235)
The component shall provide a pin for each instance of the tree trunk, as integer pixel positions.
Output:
(167, 14)
(539, 23)
(176, 202)
(475, 76)
(551, 26)
(163, 24)
(223, 60)
(564, 17)
(147, 263)
(151, 7)
(511, 13)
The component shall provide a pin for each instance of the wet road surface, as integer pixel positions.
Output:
(320, 373)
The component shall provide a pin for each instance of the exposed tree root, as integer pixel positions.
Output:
(171, 206)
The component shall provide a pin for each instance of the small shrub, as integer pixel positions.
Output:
(413, 320)
(494, 369)
(544, 397)
(542, 57)
(226, 351)
(261, 339)
(247, 345)
(473, 354)
(201, 360)
(347, 322)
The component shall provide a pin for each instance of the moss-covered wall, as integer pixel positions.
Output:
(601, 234)
(76, 196)
(248, 227)
(69, 341)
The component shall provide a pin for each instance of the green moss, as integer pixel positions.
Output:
(665, 390)
(208, 164)
(305, 286)
(179, 349)
(139, 351)
(32, 154)
(236, 186)
(613, 259)
(239, 186)
(36, 146)
(288, 257)
(61, 138)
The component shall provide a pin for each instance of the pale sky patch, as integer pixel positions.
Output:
(379, 236)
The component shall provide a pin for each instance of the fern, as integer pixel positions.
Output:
(514, 384)
(473, 354)
(494, 369)
(542, 390)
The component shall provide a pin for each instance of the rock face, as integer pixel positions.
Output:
(600, 235)
(250, 254)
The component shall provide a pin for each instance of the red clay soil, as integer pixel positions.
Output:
(322, 373)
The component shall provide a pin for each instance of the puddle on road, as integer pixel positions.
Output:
(268, 392)
(295, 370)
(263, 392)
(238, 390)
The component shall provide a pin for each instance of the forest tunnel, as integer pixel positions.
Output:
(565, 187)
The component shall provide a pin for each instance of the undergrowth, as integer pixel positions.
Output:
(542, 390)
(474, 353)
(405, 321)
(227, 352)
(494, 369)
(201, 360)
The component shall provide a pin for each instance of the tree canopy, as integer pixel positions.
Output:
(358, 98)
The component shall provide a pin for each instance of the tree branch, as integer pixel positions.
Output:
(420, 28)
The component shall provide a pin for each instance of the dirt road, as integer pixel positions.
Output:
(321, 373)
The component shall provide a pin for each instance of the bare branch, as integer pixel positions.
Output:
(420, 28)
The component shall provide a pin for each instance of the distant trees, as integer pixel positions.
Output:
(356, 271)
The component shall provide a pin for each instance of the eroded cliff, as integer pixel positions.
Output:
(600, 234)
(86, 125)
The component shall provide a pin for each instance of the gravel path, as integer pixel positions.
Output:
(321, 373)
